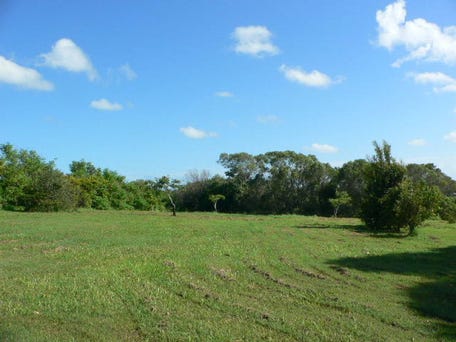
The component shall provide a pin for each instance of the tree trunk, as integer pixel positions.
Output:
(336, 209)
(173, 204)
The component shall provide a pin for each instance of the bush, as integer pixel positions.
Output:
(383, 175)
(392, 200)
(447, 210)
(416, 203)
(50, 190)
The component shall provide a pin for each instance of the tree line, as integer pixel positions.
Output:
(384, 193)
(30, 183)
(378, 189)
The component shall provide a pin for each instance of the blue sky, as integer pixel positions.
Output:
(152, 88)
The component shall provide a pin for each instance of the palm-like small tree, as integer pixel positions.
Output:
(214, 199)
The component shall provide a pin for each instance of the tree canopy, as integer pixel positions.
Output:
(384, 193)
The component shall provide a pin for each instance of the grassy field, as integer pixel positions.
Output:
(108, 276)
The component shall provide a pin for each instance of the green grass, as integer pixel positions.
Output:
(108, 276)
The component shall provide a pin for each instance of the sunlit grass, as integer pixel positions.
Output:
(141, 276)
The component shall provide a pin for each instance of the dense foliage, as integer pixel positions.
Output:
(29, 183)
(393, 199)
(386, 194)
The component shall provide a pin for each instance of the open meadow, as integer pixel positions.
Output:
(124, 275)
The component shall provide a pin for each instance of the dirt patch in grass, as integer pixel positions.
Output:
(268, 276)
(222, 273)
(58, 249)
(301, 270)
(170, 263)
(340, 270)
(7, 242)
(207, 294)
(309, 274)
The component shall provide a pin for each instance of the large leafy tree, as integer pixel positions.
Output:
(279, 182)
(28, 182)
(432, 175)
(342, 199)
(245, 175)
(296, 183)
(383, 175)
(417, 201)
(350, 179)
(99, 189)
(393, 200)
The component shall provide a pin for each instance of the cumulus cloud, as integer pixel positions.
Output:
(195, 133)
(224, 94)
(65, 54)
(314, 78)
(126, 71)
(450, 137)
(417, 142)
(324, 148)
(103, 104)
(442, 82)
(433, 77)
(23, 77)
(422, 39)
(254, 41)
(267, 119)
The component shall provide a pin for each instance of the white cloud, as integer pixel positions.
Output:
(254, 40)
(20, 76)
(450, 88)
(195, 133)
(103, 104)
(433, 77)
(450, 137)
(267, 119)
(417, 142)
(128, 72)
(67, 55)
(442, 82)
(224, 94)
(423, 40)
(324, 148)
(314, 78)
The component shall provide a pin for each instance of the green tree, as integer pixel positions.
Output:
(350, 178)
(417, 202)
(279, 182)
(143, 195)
(393, 200)
(433, 176)
(50, 190)
(245, 176)
(447, 209)
(89, 180)
(28, 182)
(168, 186)
(342, 199)
(214, 199)
(99, 189)
(383, 175)
(295, 183)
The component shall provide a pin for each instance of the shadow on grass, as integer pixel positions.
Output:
(353, 227)
(436, 296)
(357, 228)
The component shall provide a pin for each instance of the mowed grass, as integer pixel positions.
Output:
(112, 276)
